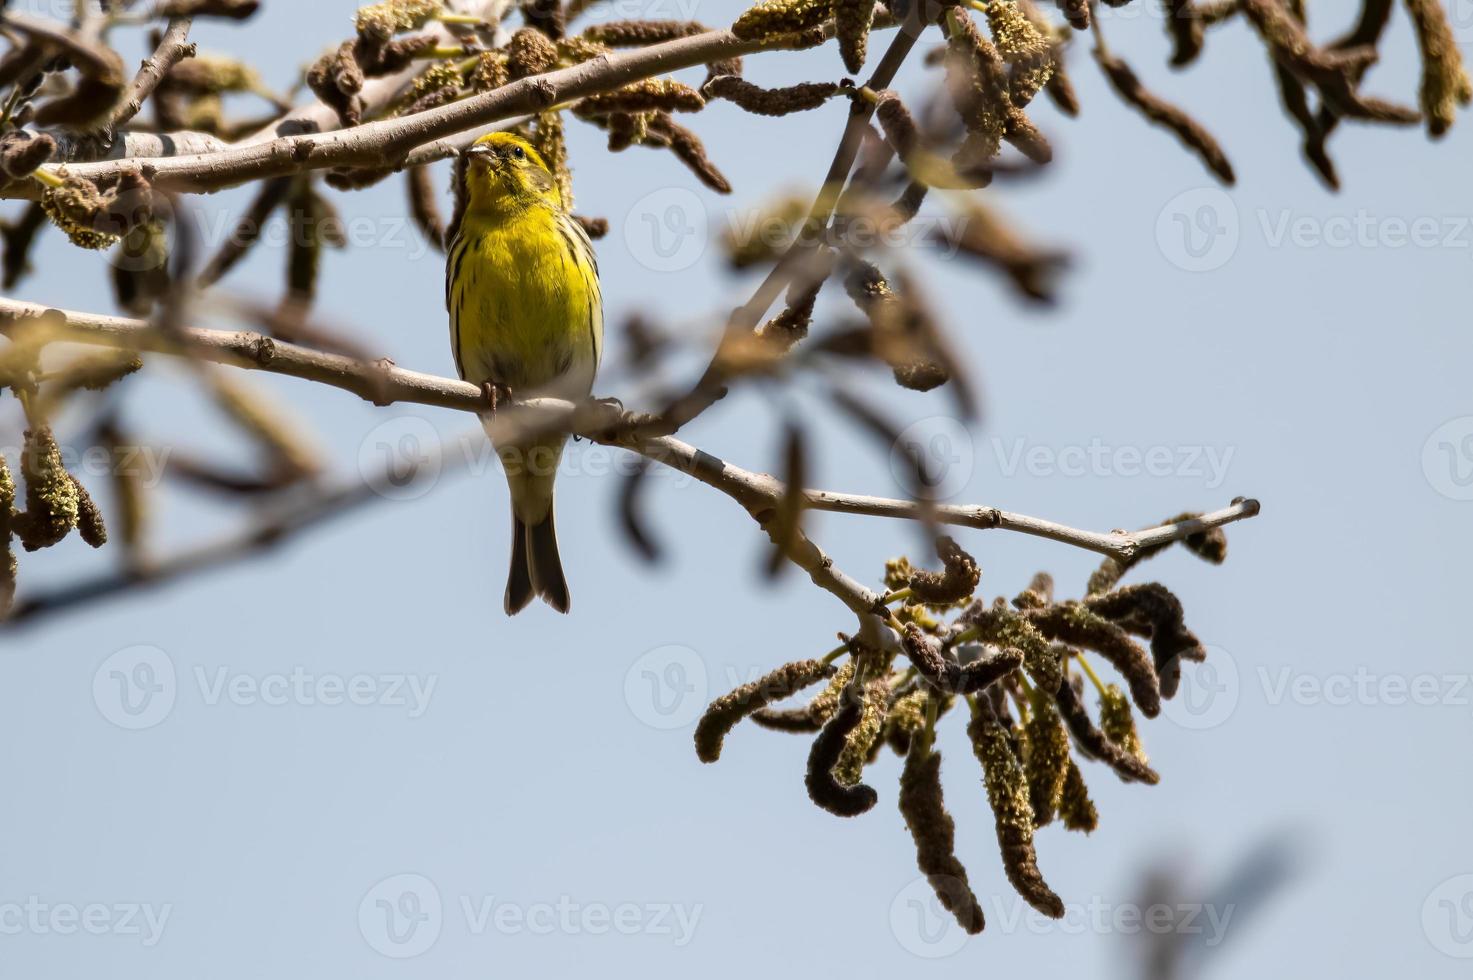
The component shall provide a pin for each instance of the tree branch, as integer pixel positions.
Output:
(390, 141)
(383, 383)
(172, 49)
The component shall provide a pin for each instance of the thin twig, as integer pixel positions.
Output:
(173, 48)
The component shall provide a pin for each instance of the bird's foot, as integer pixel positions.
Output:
(495, 395)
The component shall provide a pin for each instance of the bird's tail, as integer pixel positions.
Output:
(536, 568)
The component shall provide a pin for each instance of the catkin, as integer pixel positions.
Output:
(724, 713)
(1007, 794)
(772, 17)
(823, 788)
(1078, 625)
(852, 20)
(1076, 809)
(943, 673)
(1093, 741)
(857, 748)
(1152, 610)
(1046, 756)
(1445, 83)
(934, 833)
(1010, 630)
(1192, 133)
(8, 563)
(637, 33)
(955, 583)
(1117, 721)
(52, 501)
(769, 101)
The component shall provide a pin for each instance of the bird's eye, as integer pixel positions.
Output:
(518, 152)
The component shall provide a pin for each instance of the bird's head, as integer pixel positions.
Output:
(503, 171)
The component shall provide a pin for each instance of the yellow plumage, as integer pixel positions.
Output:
(521, 286)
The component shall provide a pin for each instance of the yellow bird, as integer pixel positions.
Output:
(526, 314)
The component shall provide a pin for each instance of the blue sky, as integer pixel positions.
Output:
(355, 736)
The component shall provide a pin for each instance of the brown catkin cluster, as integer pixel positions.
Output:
(977, 80)
(1076, 12)
(945, 674)
(1152, 611)
(1011, 630)
(934, 833)
(647, 95)
(1077, 625)
(724, 713)
(1192, 133)
(1007, 793)
(1023, 47)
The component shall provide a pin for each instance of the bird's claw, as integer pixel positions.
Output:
(495, 395)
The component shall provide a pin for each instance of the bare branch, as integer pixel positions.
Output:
(391, 140)
(383, 383)
(173, 48)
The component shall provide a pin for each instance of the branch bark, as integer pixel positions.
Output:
(384, 383)
(391, 141)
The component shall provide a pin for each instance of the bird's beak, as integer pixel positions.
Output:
(477, 152)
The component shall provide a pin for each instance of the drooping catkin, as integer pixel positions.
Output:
(769, 101)
(1445, 82)
(1156, 109)
(1151, 610)
(822, 707)
(52, 500)
(786, 524)
(852, 20)
(77, 208)
(1076, 12)
(955, 583)
(857, 748)
(337, 79)
(823, 788)
(90, 525)
(773, 17)
(1046, 756)
(977, 82)
(934, 833)
(1076, 809)
(662, 130)
(1007, 794)
(1025, 49)
(1077, 625)
(1117, 721)
(724, 713)
(1094, 743)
